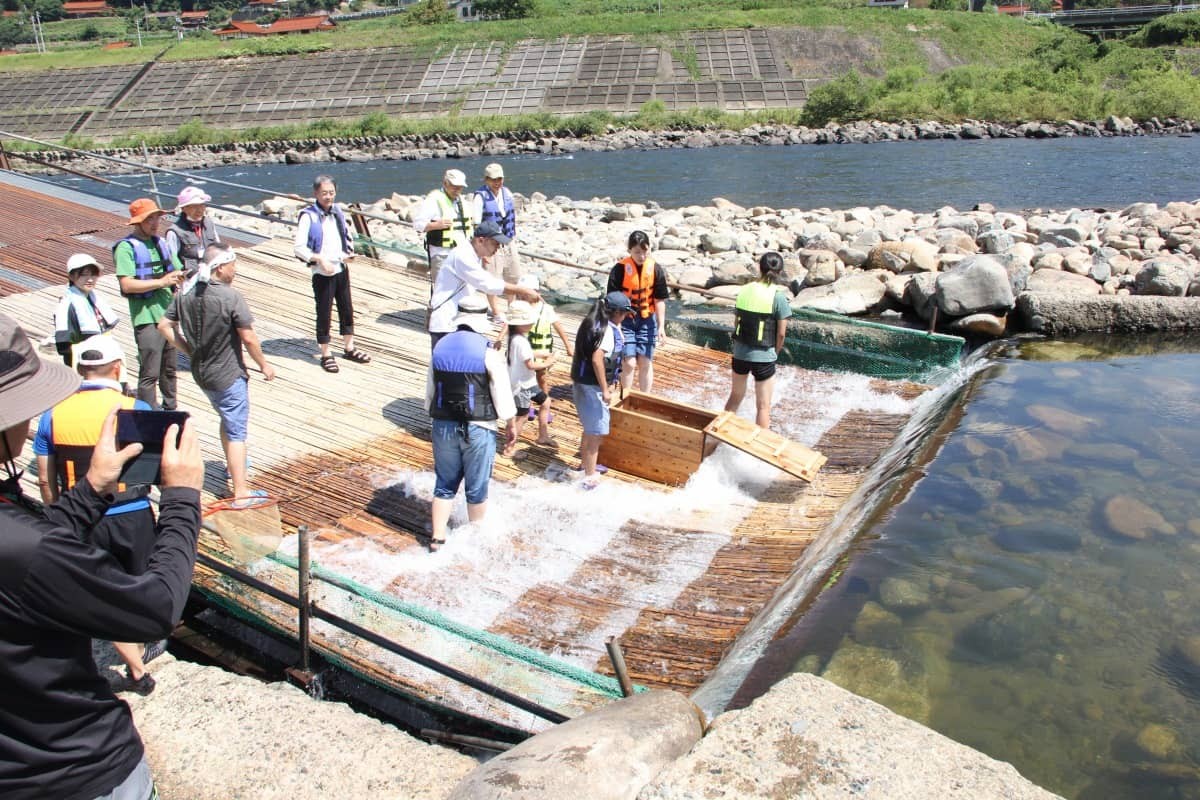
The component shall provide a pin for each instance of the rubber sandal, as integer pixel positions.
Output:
(436, 544)
(601, 469)
(142, 686)
(328, 364)
(357, 356)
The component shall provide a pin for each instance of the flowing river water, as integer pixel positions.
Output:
(1029, 589)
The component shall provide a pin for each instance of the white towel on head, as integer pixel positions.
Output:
(204, 271)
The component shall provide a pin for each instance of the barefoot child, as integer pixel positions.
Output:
(540, 339)
(595, 368)
(522, 366)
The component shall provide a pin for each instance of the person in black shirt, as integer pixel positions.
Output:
(63, 733)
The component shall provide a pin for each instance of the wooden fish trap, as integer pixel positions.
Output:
(349, 456)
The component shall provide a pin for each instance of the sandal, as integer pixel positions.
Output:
(436, 544)
(356, 355)
(328, 364)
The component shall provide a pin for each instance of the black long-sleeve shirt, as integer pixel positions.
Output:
(63, 733)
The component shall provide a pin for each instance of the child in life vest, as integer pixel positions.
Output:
(522, 373)
(545, 323)
(81, 313)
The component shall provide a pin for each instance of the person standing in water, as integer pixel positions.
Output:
(645, 284)
(759, 329)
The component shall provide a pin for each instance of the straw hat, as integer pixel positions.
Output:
(521, 313)
(472, 312)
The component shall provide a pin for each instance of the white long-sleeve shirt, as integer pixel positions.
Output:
(461, 275)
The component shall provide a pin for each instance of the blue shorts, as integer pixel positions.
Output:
(233, 406)
(462, 451)
(592, 410)
(641, 333)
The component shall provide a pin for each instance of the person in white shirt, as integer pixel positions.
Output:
(463, 274)
(323, 242)
(446, 218)
(494, 203)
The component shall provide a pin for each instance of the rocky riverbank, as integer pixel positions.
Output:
(393, 148)
(981, 271)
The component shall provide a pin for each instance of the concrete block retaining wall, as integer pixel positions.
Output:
(740, 70)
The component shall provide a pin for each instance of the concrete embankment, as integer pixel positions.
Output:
(213, 735)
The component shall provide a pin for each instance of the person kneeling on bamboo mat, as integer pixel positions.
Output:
(467, 390)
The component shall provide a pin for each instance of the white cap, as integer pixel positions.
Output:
(455, 177)
(493, 171)
(98, 351)
(81, 260)
(472, 312)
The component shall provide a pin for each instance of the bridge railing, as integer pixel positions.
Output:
(1126, 11)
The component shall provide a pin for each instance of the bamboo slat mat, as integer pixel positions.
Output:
(331, 448)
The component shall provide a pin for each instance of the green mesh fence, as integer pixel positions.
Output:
(835, 343)
(526, 672)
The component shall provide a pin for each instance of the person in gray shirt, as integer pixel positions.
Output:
(215, 324)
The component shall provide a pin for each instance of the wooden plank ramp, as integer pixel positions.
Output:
(676, 574)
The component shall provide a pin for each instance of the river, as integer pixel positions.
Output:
(992, 599)
(925, 175)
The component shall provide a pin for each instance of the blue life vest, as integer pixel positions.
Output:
(461, 391)
(502, 213)
(316, 232)
(582, 370)
(143, 262)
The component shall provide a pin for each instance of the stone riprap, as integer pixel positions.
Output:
(1132, 270)
(452, 146)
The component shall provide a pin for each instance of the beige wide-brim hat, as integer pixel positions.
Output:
(28, 384)
(521, 313)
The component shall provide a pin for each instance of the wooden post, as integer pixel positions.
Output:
(304, 568)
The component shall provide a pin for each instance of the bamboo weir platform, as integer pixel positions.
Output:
(526, 599)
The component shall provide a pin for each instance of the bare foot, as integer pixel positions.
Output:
(547, 442)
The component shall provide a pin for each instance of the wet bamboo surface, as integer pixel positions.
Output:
(330, 446)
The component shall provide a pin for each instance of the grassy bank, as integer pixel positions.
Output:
(910, 64)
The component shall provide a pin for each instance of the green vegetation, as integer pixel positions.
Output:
(912, 64)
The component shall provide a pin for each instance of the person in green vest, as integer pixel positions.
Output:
(148, 272)
(759, 328)
(446, 220)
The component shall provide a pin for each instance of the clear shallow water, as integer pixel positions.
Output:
(922, 176)
(998, 602)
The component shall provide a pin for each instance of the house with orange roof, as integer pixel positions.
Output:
(240, 29)
(87, 8)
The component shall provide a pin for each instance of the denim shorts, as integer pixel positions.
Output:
(592, 410)
(233, 406)
(137, 786)
(462, 451)
(641, 333)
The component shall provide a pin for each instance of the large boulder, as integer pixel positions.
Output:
(920, 294)
(1063, 235)
(856, 293)
(718, 242)
(824, 267)
(608, 754)
(809, 738)
(906, 256)
(978, 283)
(1055, 280)
(1164, 277)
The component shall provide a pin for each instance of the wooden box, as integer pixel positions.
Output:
(665, 440)
(655, 438)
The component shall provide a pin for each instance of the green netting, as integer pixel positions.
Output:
(835, 343)
(526, 655)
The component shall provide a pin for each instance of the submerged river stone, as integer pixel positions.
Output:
(903, 596)
(1032, 537)
(1158, 743)
(1130, 518)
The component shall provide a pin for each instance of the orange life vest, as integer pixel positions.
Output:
(639, 286)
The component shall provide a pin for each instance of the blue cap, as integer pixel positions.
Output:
(617, 301)
(490, 230)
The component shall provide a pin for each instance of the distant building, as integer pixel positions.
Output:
(193, 19)
(464, 10)
(87, 8)
(241, 29)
